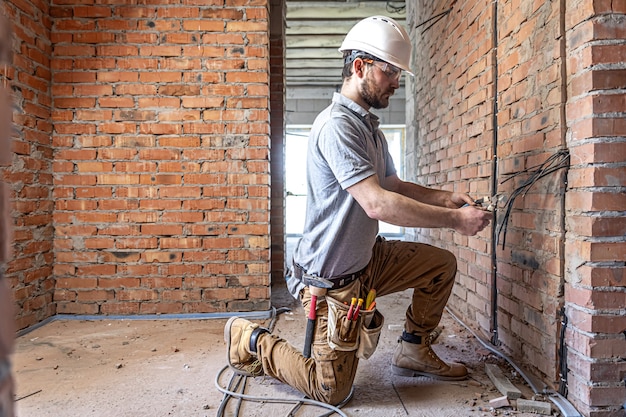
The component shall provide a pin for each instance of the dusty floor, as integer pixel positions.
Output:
(168, 368)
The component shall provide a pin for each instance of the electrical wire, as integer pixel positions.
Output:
(233, 387)
(239, 395)
(494, 176)
(564, 406)
(554, 163)
(237, 386)
(563, 355)
(434, 19)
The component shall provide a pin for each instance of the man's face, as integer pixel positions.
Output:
(377, 87)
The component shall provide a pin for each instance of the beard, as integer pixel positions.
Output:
(372, 95)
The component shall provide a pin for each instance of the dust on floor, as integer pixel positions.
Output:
(120, 368)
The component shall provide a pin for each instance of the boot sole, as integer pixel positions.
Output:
(412, 373)
(227, 339)
(227, 328)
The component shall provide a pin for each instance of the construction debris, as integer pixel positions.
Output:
(500, 402)
(531, 406)
(501, 382)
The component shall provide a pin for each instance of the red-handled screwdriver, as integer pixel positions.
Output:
(358, 309)
(351, 309)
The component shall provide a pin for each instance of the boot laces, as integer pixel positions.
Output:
(433, 355)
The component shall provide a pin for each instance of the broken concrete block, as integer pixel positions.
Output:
(531, 406)
(501, 382)
(500, 402)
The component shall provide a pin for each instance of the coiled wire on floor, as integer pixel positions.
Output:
(236, 388)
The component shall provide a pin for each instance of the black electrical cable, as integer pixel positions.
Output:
(560, 154)
(494, 180)
(563, 355)
(434, 19)
(554, 163)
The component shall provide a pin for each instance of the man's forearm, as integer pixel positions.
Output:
(424, 195)
(405, 211)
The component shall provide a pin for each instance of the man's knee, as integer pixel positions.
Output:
(444, 264)
(334, 377)
(449, 261)
(336, 396)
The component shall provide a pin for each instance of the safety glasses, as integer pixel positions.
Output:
(391, 71)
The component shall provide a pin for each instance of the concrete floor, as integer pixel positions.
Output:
(152, 368)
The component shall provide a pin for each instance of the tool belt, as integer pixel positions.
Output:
(360, 334)
(338, 282)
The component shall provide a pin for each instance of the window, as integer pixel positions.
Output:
(295, 171)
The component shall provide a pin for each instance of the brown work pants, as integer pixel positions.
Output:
(395, 266)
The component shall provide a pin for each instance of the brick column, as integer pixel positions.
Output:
(596, 224)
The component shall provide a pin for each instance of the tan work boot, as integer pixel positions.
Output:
(418, 359)
(241, 336)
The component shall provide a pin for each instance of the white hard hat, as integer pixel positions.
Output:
(381, 37)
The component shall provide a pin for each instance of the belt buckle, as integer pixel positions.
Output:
(298, 271)
(340, 283)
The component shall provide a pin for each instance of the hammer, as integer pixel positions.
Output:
(317, 287)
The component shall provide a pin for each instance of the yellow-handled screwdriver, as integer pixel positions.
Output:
(370, 298)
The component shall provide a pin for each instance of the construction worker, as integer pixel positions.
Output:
(352, 185)
(7, 317)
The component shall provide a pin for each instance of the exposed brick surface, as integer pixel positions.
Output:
(144, 140)
(560, 84)
(596, 248)
(141, 175)
(30, 271)
(454, 134)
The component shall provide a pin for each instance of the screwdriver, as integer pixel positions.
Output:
(371, 295)
(351, 309)
(358, 309)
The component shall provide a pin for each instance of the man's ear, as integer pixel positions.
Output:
(358, 68)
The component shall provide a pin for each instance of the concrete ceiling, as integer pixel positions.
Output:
(315, 30)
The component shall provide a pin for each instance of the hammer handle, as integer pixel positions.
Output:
(310, 327)
(312, 307)
(308, 339)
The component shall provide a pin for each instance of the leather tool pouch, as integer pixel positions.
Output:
(361, 334)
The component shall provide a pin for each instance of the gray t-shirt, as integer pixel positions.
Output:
(345, 147)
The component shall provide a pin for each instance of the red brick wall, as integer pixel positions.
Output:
(141, 178)
(161, 163)
(596, 249)
(560, 85)
(31, 174)
(450, 133)
(530, 130)
(450, 129)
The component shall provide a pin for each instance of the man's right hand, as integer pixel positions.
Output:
(472, 219)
